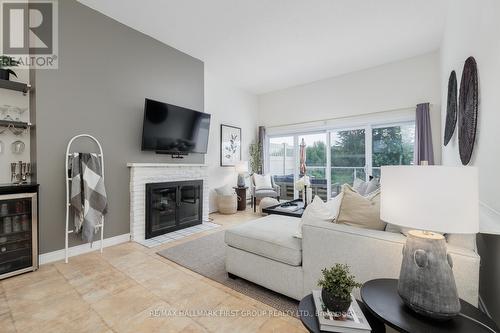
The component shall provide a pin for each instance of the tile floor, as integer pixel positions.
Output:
(179, 234)
(131, 289)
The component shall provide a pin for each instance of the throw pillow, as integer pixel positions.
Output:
(359, 186)
(317, 210)
(334, 205)
(225, 190)
(372, 186)
(359, 211)
(262, 182)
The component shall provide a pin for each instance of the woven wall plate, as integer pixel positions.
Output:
(451, 109)
(468, 110)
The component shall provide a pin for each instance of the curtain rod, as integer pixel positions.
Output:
(345, 117)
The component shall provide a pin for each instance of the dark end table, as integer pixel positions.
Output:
(381, 298)
(308, 317)
(275, 209)
(241, 192)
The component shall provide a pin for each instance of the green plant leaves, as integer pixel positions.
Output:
(338, 281)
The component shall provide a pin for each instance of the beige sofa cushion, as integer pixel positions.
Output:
(318, 210)
(271, 237)
(359, 211)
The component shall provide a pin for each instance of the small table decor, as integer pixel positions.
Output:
(352, 320)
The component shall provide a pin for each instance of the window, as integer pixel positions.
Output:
(315, 162)
(346, 153)
(348, 157)
(392, 145)
(282, 164)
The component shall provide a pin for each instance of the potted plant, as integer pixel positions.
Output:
(336, 285)
(6, 62)
(255, 152)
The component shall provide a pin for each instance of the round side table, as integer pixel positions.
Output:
(308, 317)
(381, 298)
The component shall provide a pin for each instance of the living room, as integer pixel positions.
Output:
(250, 149)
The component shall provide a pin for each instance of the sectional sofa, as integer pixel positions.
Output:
(266, 251)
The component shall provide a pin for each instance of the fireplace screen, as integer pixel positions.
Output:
(172, 206)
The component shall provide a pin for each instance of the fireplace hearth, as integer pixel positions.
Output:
(172, 206)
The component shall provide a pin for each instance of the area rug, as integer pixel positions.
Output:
(205, 256)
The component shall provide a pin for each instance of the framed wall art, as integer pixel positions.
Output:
(230, 145)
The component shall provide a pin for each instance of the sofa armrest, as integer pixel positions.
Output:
(373, 254)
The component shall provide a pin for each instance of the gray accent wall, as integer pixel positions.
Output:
(106, 70)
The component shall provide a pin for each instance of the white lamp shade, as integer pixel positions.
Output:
(432, 198)
(241, 167)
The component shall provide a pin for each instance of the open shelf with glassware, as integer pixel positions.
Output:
(13, 85)
(18, 229)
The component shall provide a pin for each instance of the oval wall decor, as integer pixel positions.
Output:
(468, 110)
(451, 109)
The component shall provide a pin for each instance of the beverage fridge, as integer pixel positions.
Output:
(18, 229)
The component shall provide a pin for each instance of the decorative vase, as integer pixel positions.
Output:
(426, 282)
(334, 303)
(4, 74)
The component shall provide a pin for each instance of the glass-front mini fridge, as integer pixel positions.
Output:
(18, 229)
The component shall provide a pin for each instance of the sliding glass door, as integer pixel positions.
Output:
(335, 157)
(392, 145)
(348, 157)
(313, 162)
(281, 161)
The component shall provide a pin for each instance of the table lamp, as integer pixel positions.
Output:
(432, 200)
(241, 168)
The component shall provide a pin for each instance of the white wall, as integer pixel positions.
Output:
(394, 86)
(231, 106)
(14, 98)
(473, 29)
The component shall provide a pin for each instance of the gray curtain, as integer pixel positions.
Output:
(262, 144)
(423, 136)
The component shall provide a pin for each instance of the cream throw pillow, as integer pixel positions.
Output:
(318, 210)
(262, 182)
(359, 211)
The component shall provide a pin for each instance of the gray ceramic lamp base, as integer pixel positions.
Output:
(426, 282)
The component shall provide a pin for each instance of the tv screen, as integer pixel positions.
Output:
(173, 129)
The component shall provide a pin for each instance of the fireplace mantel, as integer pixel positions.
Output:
(145, 173)
(163, 165)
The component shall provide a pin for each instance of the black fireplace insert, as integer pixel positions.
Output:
(173, 206)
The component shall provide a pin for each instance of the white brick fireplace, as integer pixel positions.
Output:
(144, 173)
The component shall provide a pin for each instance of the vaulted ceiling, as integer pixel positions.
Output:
(266, 45)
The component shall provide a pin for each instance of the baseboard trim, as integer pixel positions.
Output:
(482, 307)
(49, 257)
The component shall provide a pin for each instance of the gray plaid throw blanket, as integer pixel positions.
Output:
(88, 195)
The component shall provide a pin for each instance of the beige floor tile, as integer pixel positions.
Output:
(45, 272)
(118, 307)
(7, 323)
(4, 306)
(233, 315)
(116, 292)
(160, 317)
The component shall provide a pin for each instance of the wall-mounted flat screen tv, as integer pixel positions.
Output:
(171, 129)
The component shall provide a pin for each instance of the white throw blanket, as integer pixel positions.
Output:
(88, 194)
